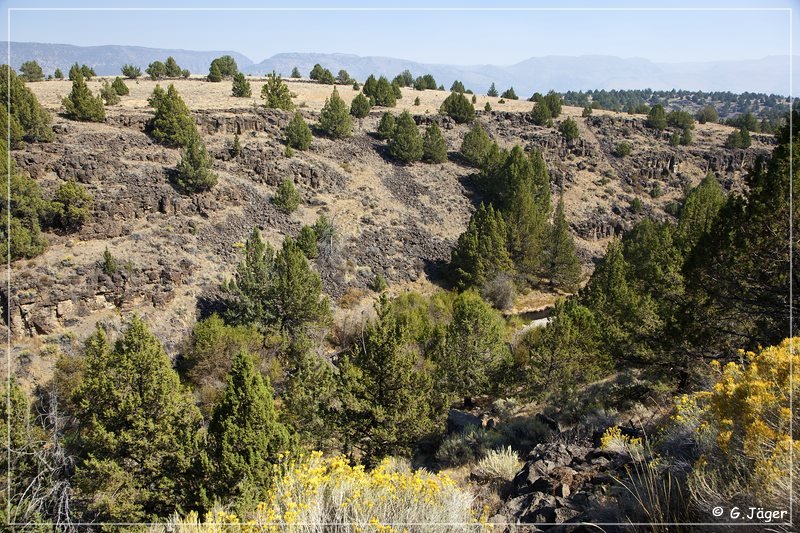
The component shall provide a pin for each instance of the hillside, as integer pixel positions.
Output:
(398, 221)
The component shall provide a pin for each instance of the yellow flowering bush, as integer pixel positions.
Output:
(741, 427)
(317, 494)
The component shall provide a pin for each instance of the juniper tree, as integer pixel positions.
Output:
(58, 74)
(343, 77)
(307, 242)
(119, 87)
(458, 107)
(298, 134)
(298, 302)
(28, 120)
(563, 265)
(249, 293)
(334, 119)
(241, 87)
(554, 102)
(569, 129)
(214, 73)
(480, 252)
(476, 144)
(172, 124)
(656, 118)
(699, 212)
(457, 87)
(509, 94)
(434, 147)
(246, 441)
(360, 106)
(22, 237)
(138, 431)
(171, 68)
(492, 91)
(194, 172)
(370, 86)
(157, 70)
(71, 206)
(384, 94)
(225, 65)
(541, 114)
(287, 197)
(474, 348)
(385, 391)
(81, 104)
(296, 73)
(30, 71)
(131, 71)
(236, 146)
(405, 145)
(276, 93)
(108, 94)
(387, 126)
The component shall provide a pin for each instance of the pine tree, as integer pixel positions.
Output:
(241, 87)
(298, 134)
(458, 107)
(480, 253)
(214, 73)
(360, 106)
(287, 197)
(108, 94)
(476, 144)
(81, 104)
(387, 126)
(334, 119)
(276, 93)
(245, 438)
(249, 298)
(434, 147)
(564, 267)
(385, 391)
(172, 124)
(492, 91)
(138, 431)
(119, 87)
(298, 302)
(474, 347)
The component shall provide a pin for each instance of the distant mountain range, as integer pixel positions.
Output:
(562, 73)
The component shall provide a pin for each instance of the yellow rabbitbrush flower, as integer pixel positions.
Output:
(746, 414)
(319, 494)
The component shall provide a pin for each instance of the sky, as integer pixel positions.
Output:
(450, 34)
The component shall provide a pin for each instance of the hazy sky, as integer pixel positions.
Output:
(449, 36)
